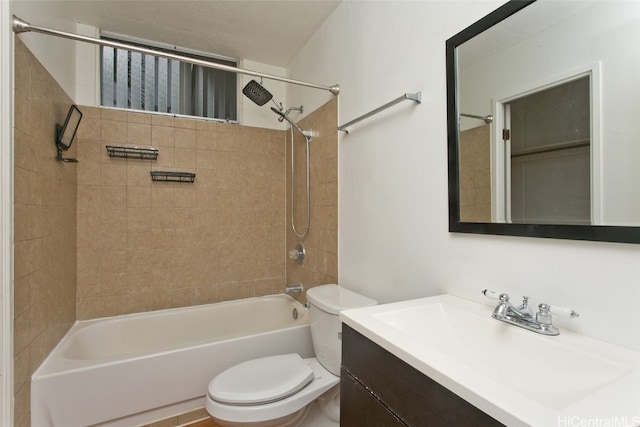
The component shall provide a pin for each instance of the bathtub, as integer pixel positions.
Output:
(133, 369)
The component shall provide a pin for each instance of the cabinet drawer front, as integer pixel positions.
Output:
(362, 409)
(415, 398)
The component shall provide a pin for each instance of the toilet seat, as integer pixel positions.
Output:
(262, 380)
(322, 381)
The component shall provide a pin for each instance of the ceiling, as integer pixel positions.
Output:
(266, 31)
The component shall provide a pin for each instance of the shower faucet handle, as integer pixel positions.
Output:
(298, 253)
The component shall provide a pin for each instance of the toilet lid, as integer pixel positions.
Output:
(262, 380)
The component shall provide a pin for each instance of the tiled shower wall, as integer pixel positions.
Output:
(99, 238)
(321, 242)
(146, 245)
(475, 175)
(44, 225)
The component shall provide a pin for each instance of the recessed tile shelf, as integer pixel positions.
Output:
(173, 176)
(132, 152)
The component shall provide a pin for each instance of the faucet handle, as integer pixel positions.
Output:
(491, 294)
(543, 316)
(545, 311)
(563, 312)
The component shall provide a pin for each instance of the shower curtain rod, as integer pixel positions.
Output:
(21, 26)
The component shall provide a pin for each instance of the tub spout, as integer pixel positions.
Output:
(298, 288)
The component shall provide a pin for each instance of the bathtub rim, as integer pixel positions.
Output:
(88, 364)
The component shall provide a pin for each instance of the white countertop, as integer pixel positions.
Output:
(506, 371)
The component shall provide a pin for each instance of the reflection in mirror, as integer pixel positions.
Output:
(543, 121)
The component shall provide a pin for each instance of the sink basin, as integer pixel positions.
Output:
(516, 376)
(534, 365)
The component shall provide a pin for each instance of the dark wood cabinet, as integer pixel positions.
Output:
(379, 389)
(363, 408)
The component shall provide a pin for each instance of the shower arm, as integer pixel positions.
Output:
(21, 26)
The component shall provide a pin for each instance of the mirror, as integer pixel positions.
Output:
(66, 132)
(543, 121)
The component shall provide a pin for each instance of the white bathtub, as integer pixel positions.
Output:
(134, 369)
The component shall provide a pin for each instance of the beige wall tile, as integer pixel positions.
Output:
(185, 158)
(162, 120)
(89, 172)
(139, 134)
(138, 174)
(182, 244)
(138, 197)
(45, 198)
(89, 150)
(163, 136)
(185, 138)
(186, 123)
(114, 132)
(137, 117)
(321, 242)
(110, 114)
(112, 196)
(90, 127)
(113, 173)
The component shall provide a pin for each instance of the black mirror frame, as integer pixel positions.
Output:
(620, 234)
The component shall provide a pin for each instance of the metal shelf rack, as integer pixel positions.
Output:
(132, 152)
(173, 176)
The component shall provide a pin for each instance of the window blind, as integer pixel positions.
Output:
(137, 81)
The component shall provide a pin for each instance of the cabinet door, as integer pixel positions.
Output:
(360, 408)
(412, 396)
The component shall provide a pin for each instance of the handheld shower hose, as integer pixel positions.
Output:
(259, 95)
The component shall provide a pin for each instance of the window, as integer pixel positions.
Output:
(151, 83)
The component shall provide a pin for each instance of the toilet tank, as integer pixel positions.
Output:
(325, 304)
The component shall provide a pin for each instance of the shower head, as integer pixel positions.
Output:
(257, 93)
(280, 114)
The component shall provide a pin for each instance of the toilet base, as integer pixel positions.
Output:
(325, 410)
(322, 412)
(291, 420)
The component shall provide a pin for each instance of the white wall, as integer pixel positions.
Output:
(394, 242)
(56, 54)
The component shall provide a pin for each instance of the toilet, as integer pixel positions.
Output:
(280, 390)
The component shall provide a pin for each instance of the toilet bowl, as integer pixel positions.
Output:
(269, 391)
(279, 390)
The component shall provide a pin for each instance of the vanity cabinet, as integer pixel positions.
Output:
(379, 389)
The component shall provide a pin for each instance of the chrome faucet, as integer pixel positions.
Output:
(522, 315)
(297, 288)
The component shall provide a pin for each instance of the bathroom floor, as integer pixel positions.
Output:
(203, 423)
